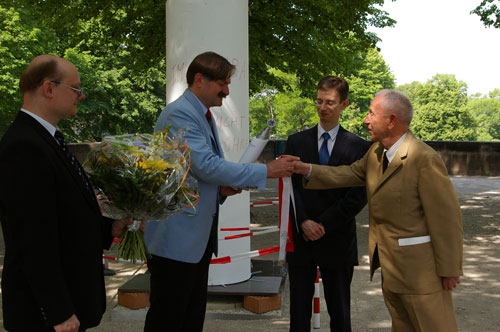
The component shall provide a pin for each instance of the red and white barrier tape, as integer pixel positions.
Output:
(265, 231)
(238, 257)
(258, 228)
(263, 203)
(221, 260)
(286, 194)
(316, 314)
(285, 206)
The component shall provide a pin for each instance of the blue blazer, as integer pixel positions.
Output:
(184, 236)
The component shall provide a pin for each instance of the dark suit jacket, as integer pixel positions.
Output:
(334, 208)
(54, 234)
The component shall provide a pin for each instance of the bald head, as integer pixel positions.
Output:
(41, 68)
(396, 102)
(51, 88)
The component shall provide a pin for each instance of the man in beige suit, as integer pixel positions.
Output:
(416, 234)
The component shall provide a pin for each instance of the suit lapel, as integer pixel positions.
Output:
(215, 138)
(312, 148)
(339, 148)
(193, 100)
(51, 142)
(396, 163)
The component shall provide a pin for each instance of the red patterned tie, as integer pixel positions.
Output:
(209, 116)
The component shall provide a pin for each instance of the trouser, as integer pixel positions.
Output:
(178, 294)
(336, 286)
(421, 313)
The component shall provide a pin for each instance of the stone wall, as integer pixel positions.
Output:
(461, 158)
(469, 158)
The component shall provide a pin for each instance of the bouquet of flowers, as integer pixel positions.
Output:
(144, 177)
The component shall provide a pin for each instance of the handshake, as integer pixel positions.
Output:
(286, 165)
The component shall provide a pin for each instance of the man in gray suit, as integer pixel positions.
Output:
(183, 245)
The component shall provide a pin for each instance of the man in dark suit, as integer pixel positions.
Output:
(54, 232)
(324, 234)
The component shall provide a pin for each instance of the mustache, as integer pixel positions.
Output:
(222, 95)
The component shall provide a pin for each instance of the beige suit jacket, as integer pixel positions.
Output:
(413, 198)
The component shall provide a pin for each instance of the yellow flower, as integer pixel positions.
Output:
(152, 165)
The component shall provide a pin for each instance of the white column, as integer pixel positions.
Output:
(194, 27)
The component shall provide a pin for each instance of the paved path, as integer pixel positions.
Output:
(477, 299)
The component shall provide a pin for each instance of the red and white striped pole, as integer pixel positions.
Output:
(316, 317)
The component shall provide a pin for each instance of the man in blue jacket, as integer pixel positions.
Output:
(182, 246)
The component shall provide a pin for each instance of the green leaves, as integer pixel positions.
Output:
(309, 38)
(440, 109)
(489, 12)
(124, 90)
(295, 112)
(297, 36)
(373, 76)
(20, 40)
(486, 112)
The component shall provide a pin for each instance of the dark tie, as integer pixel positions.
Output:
(324, 156)
(72, 160)
(385, 162)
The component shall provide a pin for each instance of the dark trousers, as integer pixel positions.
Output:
(336, 285)
(178, 294)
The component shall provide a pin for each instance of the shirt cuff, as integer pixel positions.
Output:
(310, 172)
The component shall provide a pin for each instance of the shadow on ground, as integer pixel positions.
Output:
(476, 300)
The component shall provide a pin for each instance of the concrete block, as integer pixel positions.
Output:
(136, 300)
(262, 304)
(122, 314)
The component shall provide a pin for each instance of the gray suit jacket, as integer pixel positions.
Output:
(184, 236)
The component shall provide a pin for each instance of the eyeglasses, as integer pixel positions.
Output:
(79, 92)
(329, 103)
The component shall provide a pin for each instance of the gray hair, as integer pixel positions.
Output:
(397, 102)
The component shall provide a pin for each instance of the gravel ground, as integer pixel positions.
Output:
(477, 299)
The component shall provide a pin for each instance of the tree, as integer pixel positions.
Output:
(486, 112)
(20, 40)
(307, 37)
(489, 12)
(119, 46)
(296, 36)
(118, 100)
(440, 109)
(294, 112)
(373, 76)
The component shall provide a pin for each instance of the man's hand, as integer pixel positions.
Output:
(70, 325)
(281, 167)
(119, 227)
(450, 283)
(312, 230)
(229, 191)
(301, 168)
